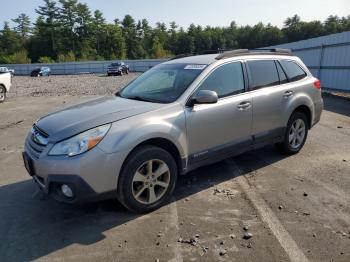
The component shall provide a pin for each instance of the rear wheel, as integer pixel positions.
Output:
(296, 134)
(147, 180)
(2, 94)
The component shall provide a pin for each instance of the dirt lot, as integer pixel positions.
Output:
(296, 208)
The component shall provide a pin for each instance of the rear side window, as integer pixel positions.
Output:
(226, 80)
(263, 73)
(282, 75)
(293, 70)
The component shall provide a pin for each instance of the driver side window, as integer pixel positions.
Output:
(226, 80)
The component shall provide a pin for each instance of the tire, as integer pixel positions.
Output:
(2, 94)
(134, 188)
(293, 143)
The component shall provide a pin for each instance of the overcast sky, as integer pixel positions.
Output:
(199, 12)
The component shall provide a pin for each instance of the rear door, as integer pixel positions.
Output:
(270, 92)
(217, 130)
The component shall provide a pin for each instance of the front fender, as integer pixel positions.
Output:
(126, 134)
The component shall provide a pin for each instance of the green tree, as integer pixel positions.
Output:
(9, 41)
(113, 42)
(49, 24)
(67, 17)
(69, 57)
(22, 27)
(133, 42)
(185, 43)
(20, 57)
(45, 60)
(157, 50)
(96, 30)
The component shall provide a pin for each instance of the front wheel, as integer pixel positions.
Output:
(296, 134)
(2, 94)
(147, 180)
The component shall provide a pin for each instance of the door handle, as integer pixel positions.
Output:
(288, 94)
(243, 105)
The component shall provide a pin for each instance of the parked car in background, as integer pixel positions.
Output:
(5, 70)
(41, 71)
(177, 116)
(118, 68)
(5, 84)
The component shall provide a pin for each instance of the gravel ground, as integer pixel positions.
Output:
(73, 85)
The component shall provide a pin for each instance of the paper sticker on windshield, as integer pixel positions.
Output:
(195, 67)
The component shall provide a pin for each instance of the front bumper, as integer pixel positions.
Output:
(92, 175)
(114, 71)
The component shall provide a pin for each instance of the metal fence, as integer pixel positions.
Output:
(89, 67)
(327, 57)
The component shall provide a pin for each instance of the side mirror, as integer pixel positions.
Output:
(204, 97)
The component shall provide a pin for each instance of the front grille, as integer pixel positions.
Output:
(36, 146)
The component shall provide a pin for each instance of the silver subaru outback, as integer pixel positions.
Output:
(178, 116)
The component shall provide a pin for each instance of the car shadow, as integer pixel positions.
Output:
(33, 226)
(337, 105)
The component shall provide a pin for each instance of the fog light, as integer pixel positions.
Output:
(66, 191)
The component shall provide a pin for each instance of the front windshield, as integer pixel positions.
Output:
(116, 64)
(163, 83)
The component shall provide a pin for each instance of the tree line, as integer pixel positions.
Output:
(67, 30)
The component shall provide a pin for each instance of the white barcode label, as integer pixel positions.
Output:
(195, 67)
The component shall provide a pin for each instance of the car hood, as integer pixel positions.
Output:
(75, 119)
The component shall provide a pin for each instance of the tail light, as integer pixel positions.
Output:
(317, 84)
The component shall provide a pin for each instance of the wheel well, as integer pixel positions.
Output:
(306, 111)
(168, 146)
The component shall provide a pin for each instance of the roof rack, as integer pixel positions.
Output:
(227, 53)
(258, 51)
(205, 52)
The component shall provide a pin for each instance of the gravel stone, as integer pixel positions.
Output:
(72, 85)
(223, 252)
(247, 235)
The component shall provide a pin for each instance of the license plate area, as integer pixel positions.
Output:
(28, 164)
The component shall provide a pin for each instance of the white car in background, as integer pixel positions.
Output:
(5, 69)
(5, 84)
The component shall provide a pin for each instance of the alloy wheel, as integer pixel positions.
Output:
(297, 133)
(151, 181)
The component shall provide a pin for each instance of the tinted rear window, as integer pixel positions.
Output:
(293, 70)
(263, 73)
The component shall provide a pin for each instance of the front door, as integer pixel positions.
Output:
(223, 128)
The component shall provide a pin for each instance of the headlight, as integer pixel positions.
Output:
(80, 143)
